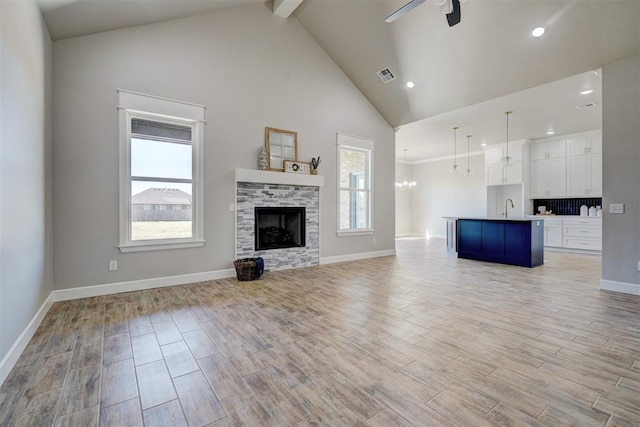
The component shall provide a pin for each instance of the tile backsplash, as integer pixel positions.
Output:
(565, 206)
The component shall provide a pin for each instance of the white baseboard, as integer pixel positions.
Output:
(409, 234)
(14, 353)
(354, 257)
(419, 235)
(626, 288)
(139, 285)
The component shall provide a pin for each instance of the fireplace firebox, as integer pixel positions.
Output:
(279, 227)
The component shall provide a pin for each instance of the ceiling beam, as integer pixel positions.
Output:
(284, 8)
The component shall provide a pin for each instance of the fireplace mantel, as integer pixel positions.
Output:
(283, 178)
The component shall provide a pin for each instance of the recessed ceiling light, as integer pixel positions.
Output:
(586, 91)
(551, 132)
(539, 30)
(410, 85)
(484, 144)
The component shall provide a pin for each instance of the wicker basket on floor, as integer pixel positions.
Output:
(246, 269)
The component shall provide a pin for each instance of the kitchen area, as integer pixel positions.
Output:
(532, 155)
(548, 196)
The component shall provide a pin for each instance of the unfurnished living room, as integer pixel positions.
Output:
(319, 212)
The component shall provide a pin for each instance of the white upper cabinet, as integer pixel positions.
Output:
(513, 173)
(595, 174)
(548, 178)
(554, 149)
(548, 169)
(584, 165)
(567, 167)
(493, 156)
(589, 143)
(498, 173)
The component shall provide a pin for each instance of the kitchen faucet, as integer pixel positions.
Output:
(505, 207)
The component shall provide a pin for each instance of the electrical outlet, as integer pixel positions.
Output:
(232, 207)
(638, 265)
(113, 265)
(374, 240)
(616, 208)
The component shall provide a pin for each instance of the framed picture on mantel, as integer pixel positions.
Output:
(281, 145)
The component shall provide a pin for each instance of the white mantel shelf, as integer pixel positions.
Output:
(284, 178)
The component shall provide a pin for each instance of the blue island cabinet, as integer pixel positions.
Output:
(514, 242)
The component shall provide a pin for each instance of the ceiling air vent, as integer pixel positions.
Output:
(585, 106)
(386, 75)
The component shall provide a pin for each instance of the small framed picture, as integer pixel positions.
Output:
(297, 167)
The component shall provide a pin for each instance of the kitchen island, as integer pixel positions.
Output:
(514, 241)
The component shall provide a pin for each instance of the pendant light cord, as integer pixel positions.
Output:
(507, 114)
(468, 141)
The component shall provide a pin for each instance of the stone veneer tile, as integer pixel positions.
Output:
(249, 195)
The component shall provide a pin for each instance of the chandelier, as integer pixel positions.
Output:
(405, 184)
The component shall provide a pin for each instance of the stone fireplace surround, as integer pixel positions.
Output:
(265, 188)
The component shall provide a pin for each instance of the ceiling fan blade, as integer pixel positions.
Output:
(453, 18)
(404, 9)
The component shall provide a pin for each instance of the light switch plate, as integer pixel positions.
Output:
(616, 208)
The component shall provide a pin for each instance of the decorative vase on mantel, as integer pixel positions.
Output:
(262, 159)
(315, 162)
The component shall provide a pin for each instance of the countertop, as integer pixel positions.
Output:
(522, 218)
(495, 218)
(563, 216)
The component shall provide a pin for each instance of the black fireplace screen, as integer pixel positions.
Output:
(278, 227)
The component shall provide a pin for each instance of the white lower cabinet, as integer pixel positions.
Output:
(573, 233)
(553, 232)
(582, 233)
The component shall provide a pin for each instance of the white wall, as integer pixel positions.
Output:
(439, 194)
(25, 173)
(621, 174)
(251, 69)
(403, 202)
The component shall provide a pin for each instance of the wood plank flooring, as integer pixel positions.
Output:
(419, 339)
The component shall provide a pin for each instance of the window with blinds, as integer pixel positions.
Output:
(161, 184)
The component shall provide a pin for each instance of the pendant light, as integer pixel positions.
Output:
(506, 159)
(405, 184)
(454, 167)
(468, 171)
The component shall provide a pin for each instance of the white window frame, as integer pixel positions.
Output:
(138, 105)
(356, 143)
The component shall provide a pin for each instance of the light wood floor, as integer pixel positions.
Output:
(418, 339)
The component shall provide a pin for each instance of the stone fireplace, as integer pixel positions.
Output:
(289, 204)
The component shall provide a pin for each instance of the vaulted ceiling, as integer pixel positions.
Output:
(464, 74)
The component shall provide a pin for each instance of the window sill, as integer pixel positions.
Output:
(362, 232)
(157, 246)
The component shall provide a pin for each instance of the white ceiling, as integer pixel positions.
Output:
(72, 18)
(549, 107)
(467, 75)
